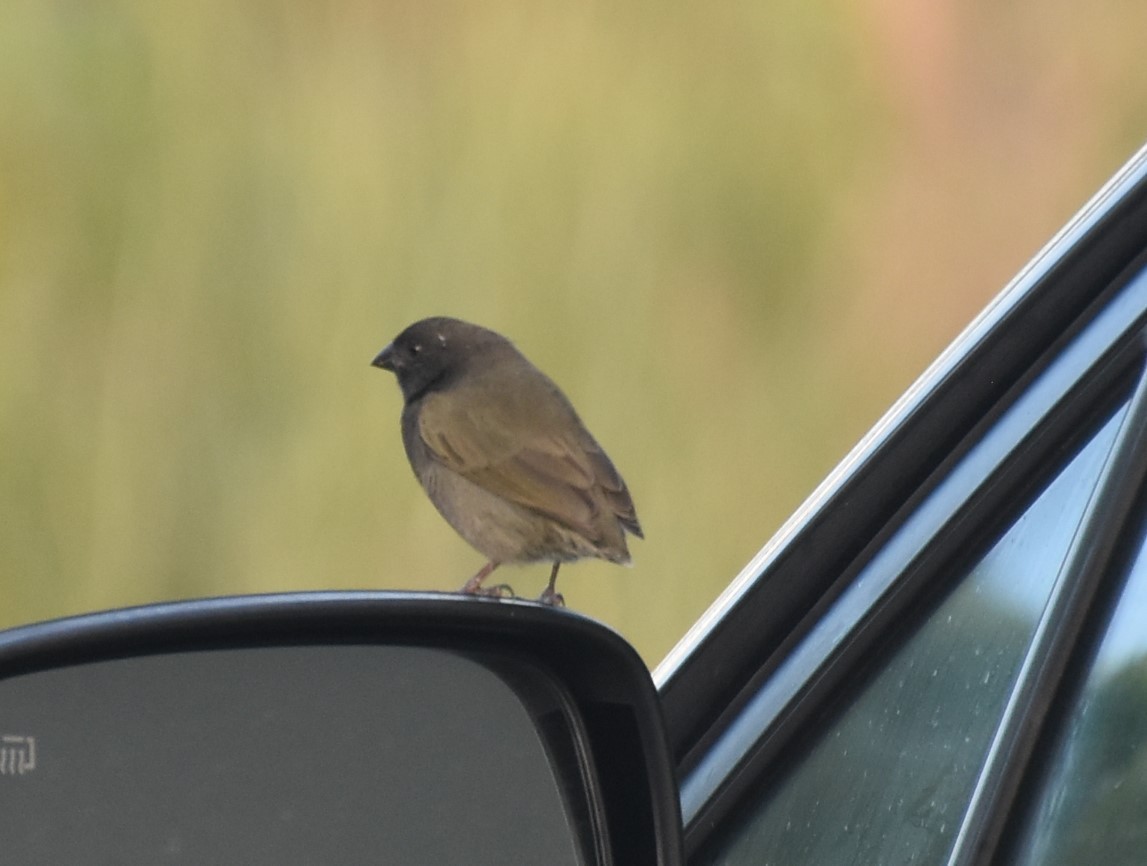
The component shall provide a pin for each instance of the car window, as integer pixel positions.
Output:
(1093, 802)
(885, 780)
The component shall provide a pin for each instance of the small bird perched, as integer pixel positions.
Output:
(502, 454)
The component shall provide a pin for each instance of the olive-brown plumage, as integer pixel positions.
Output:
(501, 452)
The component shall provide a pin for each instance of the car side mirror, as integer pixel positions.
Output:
(332, 728)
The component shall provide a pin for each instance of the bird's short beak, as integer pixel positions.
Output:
(385, 358)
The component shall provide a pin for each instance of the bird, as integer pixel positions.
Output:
(503, 455)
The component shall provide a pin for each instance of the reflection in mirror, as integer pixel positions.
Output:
(279, 756)
(888, 781)
(1093, 802)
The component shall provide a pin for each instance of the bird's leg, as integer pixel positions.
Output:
(474, 585)
(549, 594)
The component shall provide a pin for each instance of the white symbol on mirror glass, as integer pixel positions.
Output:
(17, 755)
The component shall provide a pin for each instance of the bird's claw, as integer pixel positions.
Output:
(499, 590)
(552, 597)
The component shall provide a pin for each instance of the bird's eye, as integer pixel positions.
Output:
(416, 348)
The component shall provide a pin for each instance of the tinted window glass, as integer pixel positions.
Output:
(887, 782)
(1094, 802)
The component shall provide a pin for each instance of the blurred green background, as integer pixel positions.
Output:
(733, 232)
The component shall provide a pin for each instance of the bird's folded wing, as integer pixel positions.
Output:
(525, 458)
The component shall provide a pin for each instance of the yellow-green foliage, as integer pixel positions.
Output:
(732, 231)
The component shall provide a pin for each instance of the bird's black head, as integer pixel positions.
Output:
(430, 353)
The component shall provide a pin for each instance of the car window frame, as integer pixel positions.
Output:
(770, 636)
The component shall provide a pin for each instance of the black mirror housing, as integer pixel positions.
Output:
(333, 727)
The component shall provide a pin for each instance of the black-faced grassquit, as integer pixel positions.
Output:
(502, 454)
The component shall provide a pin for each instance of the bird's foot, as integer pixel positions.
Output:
(498, 590)
(552, 597)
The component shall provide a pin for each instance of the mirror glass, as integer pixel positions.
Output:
(280, 755)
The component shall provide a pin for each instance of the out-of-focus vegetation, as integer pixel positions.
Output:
(732, 231)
